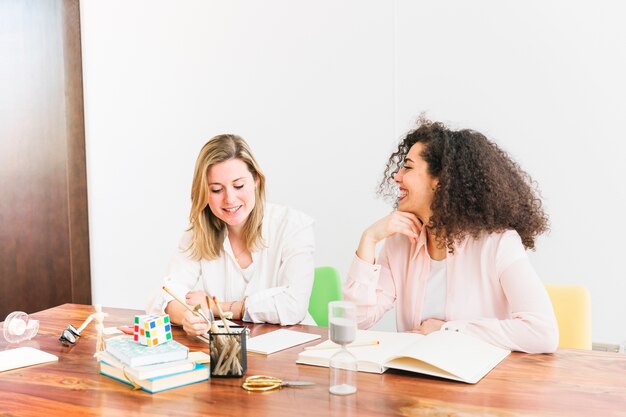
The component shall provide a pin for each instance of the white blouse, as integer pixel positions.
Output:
(436, 292)
(278, 282)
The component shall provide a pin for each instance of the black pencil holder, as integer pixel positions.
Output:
(229, 355)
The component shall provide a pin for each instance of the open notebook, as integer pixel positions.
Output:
(444, 354)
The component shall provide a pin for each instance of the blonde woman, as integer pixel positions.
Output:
(256, 258)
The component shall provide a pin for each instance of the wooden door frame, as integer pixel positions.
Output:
(76, 169)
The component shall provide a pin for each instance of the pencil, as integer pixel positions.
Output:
(221, 312)
(208, 305)
(187, 306)
(357, 344)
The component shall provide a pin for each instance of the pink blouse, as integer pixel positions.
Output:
(493, 292)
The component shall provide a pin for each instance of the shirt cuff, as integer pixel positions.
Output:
(260, 307)
(454, 326)
(364, 272)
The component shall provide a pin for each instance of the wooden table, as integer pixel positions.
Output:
(567, 383)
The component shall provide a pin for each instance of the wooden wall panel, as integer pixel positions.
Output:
(44, 251)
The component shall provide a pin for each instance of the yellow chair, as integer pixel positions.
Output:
(572, 308)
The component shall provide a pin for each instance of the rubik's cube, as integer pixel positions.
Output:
(152, 330)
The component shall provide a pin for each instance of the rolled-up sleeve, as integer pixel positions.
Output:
(532, 326)
(371, 287)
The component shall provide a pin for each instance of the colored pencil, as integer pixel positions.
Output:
(187, 306)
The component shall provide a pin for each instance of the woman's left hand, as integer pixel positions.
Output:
(429, 326)
(193, 298)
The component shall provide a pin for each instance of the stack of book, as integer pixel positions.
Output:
(151, 368)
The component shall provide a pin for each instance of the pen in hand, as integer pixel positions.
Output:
(197, 312)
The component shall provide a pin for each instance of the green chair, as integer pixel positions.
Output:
(326, 288)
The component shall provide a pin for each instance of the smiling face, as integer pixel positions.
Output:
(417, 186)
(231, 192)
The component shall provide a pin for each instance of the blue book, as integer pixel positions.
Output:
(161, 383)
(135, 354)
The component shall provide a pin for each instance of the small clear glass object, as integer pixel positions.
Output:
(342, 330)
(18, 327)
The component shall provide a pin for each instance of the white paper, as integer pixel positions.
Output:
(278, 340)
(23, 356)
(107, 331)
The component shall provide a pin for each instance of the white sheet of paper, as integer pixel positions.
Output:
(23, 356)
(107, 331)
(278, 340)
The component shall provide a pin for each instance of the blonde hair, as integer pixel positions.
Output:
(208, 231)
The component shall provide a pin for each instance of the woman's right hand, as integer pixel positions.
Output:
(193, 324)
(397, 222)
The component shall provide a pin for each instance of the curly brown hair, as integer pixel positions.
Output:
(481, 189)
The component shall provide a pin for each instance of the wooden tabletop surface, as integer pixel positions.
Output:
(567, 383)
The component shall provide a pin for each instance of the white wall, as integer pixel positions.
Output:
(322, 91)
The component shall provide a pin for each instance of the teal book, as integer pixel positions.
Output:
(135, 354)
(148, 371)
(161, 383)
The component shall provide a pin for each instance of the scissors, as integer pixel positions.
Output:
(267, 383)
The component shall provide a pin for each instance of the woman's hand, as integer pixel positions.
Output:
(193, 298)
(397, 222)
(193, 324)
(429, 326)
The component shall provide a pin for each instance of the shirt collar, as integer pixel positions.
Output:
(416, 247)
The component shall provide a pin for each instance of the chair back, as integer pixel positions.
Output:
(572, 308)
(326, 288)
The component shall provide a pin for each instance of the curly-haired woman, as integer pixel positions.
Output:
(454, 254)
